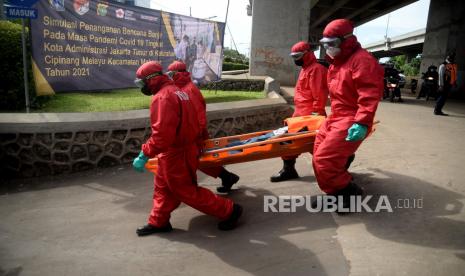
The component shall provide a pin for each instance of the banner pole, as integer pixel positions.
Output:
(159, 37)
(26, 83)
(227, 10)
(222, 48)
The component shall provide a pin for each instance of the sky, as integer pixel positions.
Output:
(404, 20)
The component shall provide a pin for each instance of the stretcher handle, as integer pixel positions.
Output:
(281, 138)
(252, 134)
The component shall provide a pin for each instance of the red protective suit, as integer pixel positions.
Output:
(183, 81)
(355, 81)
(311, 89)
(174, 138)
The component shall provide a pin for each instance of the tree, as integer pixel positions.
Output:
(234, 56)
(410, 69)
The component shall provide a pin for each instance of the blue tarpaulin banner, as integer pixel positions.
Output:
(86, 45)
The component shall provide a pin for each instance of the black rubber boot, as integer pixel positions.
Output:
(231, 222)
(149, 229)
(440, 113)
(349, 161)
(350, 190)
(227, 180)
(286, 173)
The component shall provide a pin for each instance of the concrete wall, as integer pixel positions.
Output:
(445, 33)
(276, 26)
(39, 144)
(231, 82)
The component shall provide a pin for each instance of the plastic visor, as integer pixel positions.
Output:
(328, 42)
(170, 74)
(297, 55)
(141, 82)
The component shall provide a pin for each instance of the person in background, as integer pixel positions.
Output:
(174, 140)
(310, 96)
(182, 79)
(355, 82)
(447, 80)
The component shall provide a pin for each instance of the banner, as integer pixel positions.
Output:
(86, 45)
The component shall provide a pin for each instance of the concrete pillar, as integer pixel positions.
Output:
(445, 33)
(276, 26)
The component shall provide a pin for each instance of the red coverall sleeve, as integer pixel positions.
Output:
(319, 88)
(368, 80)
(164, 119)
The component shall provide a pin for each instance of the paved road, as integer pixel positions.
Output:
(84, 224)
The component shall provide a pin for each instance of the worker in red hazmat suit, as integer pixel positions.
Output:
(174, 140)
(355, 82)
(182, 79)
(310, 96)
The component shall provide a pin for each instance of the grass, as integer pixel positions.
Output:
(127, 99)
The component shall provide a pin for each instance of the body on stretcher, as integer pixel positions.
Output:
(298, 138)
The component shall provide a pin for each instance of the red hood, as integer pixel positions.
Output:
(181, 79)
(309, 58)
(157, 83)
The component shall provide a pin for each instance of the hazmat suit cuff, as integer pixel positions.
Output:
(364, 120)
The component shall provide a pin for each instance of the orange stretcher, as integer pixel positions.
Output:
(299, 139)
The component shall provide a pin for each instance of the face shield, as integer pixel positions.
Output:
(297, 55)
(333, 42)
(171, 74)
(141, 82)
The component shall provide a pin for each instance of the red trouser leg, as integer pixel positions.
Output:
(178, 172)
(213, 172)
(164, 202)
(330, 154)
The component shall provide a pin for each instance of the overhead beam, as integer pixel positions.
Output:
(328, 13)
(383, 12)
(362, 9)
(313, 3)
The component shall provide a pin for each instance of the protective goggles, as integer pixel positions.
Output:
(335, 42)
(297, 55)
(141, 82)
(172, 73)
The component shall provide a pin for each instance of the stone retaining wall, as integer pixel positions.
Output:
(54, 143)
(236, 84)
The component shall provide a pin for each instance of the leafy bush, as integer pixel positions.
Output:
(11, 71)
(234, 56)
(410, 69)
(228, 66)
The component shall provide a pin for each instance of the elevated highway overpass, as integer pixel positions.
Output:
(277, 25)
(409, 44)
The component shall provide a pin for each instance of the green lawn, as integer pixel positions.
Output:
(127, 99)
